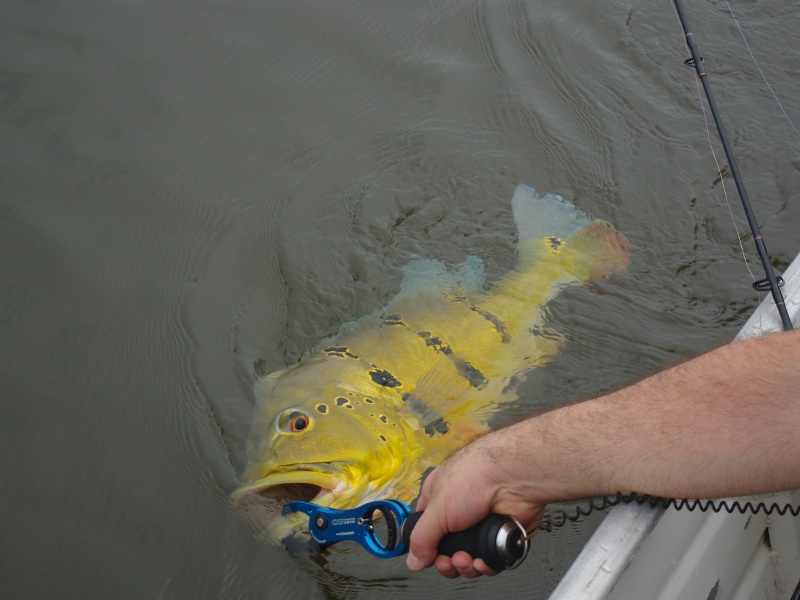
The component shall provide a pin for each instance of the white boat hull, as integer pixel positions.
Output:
(643, 553)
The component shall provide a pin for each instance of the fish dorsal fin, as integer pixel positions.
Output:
(426, 275)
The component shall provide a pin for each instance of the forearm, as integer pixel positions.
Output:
(722, 424)
(726, 423)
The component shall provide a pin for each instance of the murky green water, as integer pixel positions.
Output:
(192, 192)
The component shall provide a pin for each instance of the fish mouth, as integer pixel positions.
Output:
(301, 483)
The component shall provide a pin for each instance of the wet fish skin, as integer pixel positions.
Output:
(365, 414)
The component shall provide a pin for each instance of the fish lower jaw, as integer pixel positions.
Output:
(284, 487)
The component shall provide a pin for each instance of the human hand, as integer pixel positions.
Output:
(461, 492)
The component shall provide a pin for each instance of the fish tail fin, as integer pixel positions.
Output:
(549, 225)
(599, 251)
(541, 217)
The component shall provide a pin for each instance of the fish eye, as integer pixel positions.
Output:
(298, 423)
(294, 421)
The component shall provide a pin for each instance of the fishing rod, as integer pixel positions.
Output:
(501, 541)
(697, 62)
(771, 283)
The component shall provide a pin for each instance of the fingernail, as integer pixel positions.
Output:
(414, 563)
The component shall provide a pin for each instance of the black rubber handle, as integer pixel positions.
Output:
(479, 541)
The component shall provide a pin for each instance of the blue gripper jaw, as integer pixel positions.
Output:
(330, 525)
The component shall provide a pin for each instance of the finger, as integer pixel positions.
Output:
(466, 566)
(464, 563)
(425, 492)
(479, 565)
(469, 573)
(445, 567)
(425, 538)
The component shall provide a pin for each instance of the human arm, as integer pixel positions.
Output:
(722, 424)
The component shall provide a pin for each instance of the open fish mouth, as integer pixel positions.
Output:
(285, 487)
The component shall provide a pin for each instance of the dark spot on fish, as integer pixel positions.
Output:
(431, 420)
(455, 295)
(435, 342)
(553, 243)
(341, 401)
(473, 375)
(437, 426)
(499, 326)
(394, 319)
(323, 408)
(348, 406)
(340, 351)
(383, 437)
(384, 378)
(368, 400)
(416, 405)
(384, 419)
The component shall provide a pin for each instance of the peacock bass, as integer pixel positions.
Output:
(366, 413)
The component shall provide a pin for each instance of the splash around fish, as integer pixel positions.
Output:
(364, 415)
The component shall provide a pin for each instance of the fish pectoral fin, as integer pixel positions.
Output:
(449, 409)
(442, 389)
(442, 438)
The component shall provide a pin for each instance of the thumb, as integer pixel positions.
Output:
(425, 538)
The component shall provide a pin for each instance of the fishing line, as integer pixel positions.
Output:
(714, 155)
(764, 77)
(771, 282)
(777, 101)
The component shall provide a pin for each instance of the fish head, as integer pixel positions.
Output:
(326, 433)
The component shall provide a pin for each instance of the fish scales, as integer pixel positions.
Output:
(366, 413)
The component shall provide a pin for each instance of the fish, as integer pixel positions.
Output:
(365, 414)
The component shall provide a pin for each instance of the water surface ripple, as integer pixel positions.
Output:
(194, 193)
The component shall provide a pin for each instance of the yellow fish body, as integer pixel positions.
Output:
(364, 415)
